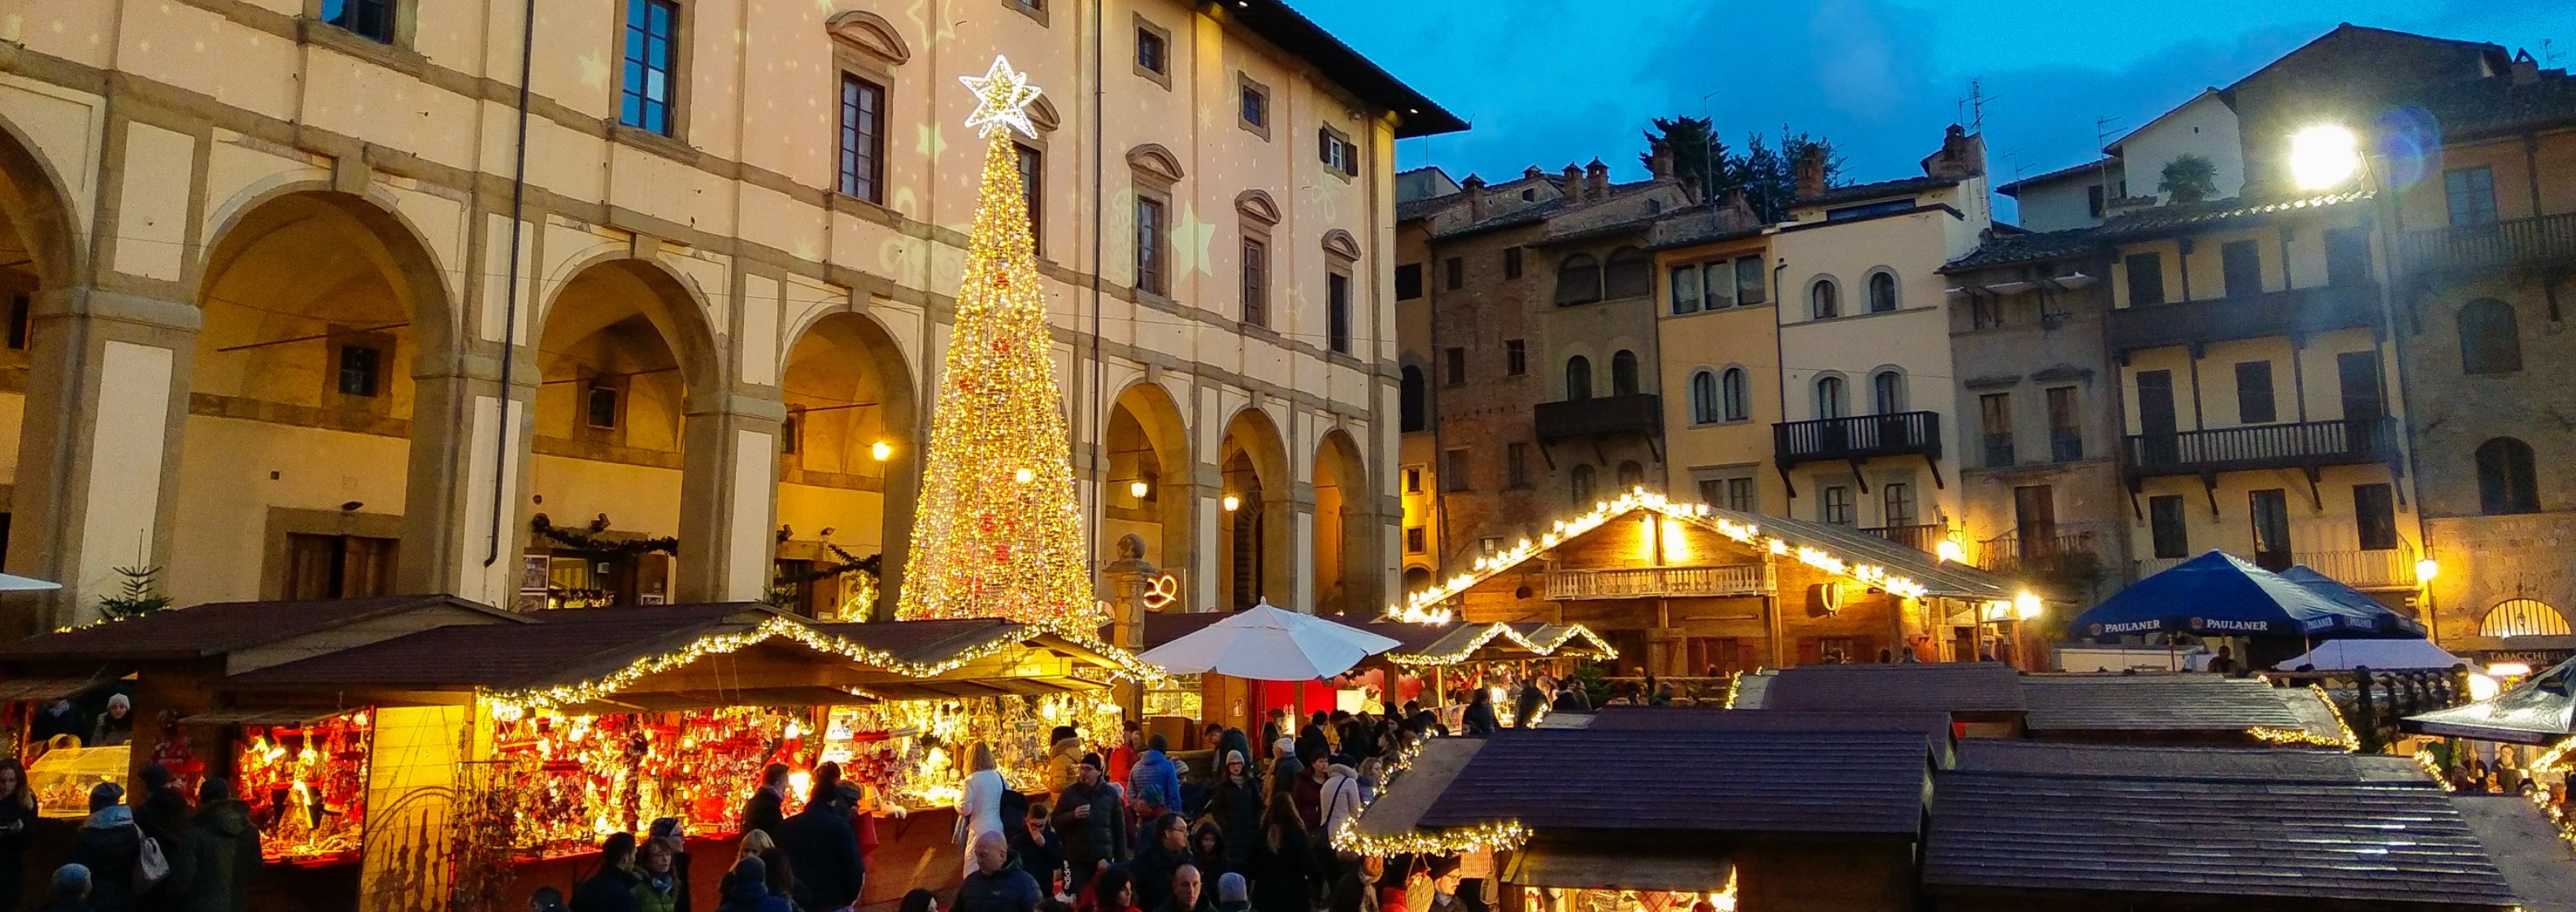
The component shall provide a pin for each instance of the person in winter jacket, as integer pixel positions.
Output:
(756, 844)
(215, 861)
(109, 846)
(1570, 698)
(981, 806)
(748, 889)
(1356, 891)
(1209, 853)
(1278, 864)
(1092, 821)
(1112, 891)
(658, 887)
(819, 842)
(1338, 797)
(70, 890)
(1036, 848)
(1235, 806)
(1154, 769)
(1526, 706)
(767, 807)
(1167, 848)
(996, 886)
(1122, 759)
(1479, 722)
(1233, 894)
(17, 830)
(1188, 893)
(613, 888)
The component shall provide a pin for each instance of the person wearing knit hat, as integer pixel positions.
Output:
(1233, 894)
(1092, 819)
(1235, 806)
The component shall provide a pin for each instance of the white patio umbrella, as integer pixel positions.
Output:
(14, 583)
(2376, 655)
(1264, 643)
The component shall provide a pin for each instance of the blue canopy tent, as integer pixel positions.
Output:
(2391, 624)
(2217, 594)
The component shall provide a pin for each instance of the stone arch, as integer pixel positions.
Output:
(1346, 526)
(435, 303)
(39, 209)
(677, 308)
(41, 222)
(1253, 539)
(870, 34)
(1148, 441)
(847, 388)
(1153, 159)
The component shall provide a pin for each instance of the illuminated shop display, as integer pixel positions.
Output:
(917, 752)
(579, 778)
(1554, 899)
(307, 785)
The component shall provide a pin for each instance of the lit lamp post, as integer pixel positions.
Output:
(2425, 571)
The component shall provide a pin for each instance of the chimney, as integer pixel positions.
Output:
(1475, 189)
(1690, 187)
(1736, 202)
(1596, 180)
(1531, 173)
(1811, 172)
(1659, 160)
(1572, 188)
(1962, 156)
(2526, 71)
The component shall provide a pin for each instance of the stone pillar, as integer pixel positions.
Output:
(1124, 582)
(461, 443)
(1288, 537)
(729, 496)
(1206, 494)
(98, 461)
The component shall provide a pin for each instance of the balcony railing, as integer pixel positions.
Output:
(2261, 446)
(1858, 437)
(1654, 582)
(2253, 316)
(2013, 552)
(2507, 243)
(1924, 537)
(2380, 569)
(1640, 413)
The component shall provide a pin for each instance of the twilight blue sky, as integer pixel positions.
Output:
(1551, 81)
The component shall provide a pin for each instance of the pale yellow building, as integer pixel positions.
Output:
(298, 313)
(1719, 333)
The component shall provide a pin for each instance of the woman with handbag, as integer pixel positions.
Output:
(115, 851)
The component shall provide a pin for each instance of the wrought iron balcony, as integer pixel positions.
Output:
(2507, 243)
(2253, 316)
(2013, 552)
(2262, 446)
(1637, 413)
(1858, 437)
(1924, 537)
(1659, 582)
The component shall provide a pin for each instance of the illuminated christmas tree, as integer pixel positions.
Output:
(998, 533)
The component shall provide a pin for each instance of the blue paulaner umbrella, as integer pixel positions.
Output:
(2388, 623)
(2217, 594)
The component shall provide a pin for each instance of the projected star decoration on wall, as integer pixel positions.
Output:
(1003, 95)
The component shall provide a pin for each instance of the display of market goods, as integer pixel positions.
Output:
(583, 777)
(917, 753)
(307, 785)
(63, 777)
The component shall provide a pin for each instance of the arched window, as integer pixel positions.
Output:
(2522, 617)
(1830, 400)
(1882, 292)
(1623, 373)
(1631, 476)
(1703, 398)
(1412, 400)
(1887, 392)
(2489, 343)
(1631, 274)
(2505, 480)
(1578, 378)
(1822, 301)
(1579, 485)
(1578, 280)
(1738, 398)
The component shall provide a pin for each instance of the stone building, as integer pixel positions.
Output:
(327, 300)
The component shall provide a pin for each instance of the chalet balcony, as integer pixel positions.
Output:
(1857, 437)
(2272, 313)
(2263, 446)
(2013, 552)
(1661, 582)
(1636, 413)
(1924, 537)
(2515, 242)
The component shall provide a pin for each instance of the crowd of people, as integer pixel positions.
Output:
(156, 853)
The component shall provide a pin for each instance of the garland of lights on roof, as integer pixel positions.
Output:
(1500, 836)
(1505, 631)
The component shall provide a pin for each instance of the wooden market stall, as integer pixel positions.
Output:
(1497, 655)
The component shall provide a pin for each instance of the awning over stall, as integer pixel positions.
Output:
(44, 690)
(263, 716)
(2536, 711)
(1583, 866)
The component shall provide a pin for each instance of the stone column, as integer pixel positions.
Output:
(461, 443)
(1206, 495)
(1288, 537)
(98, 461)
(728, 496)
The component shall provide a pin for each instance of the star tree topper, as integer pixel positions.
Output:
(1003, 95)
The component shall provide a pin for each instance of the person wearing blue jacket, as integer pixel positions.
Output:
(1155, 769)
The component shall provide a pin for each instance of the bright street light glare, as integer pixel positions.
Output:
(2324, 157)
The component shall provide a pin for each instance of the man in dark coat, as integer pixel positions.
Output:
(1188, 892)
(996, 886)
(1166, 848)
(1570, 698)
(212, 869)
(109, 845)
(1092, 822)
(613, 888)
(823, 850)
(767, 807)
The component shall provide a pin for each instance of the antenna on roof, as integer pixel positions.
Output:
(1972, 109)
(2547, 55)
(2102, 163)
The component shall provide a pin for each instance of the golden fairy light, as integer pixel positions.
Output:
(999, 533)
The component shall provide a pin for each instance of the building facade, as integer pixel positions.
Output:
(331, 301)
(1720, 338)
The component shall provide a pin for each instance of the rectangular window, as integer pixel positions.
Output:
(1337, 313)
(1511, 262)
(2270, 509)
(1685, 281)
(1256, 106)
(863, 141)
(359, 367)
(337, 566)
(1335, 152)
(602, 407)
(22, 319)
(1985, 312)
(1149, 245)
(2254, 404)
(1032, 183)
(2374, 509)
(2093, 200)
(1256, 282)
(1454, 272)
(2471, 195)
(1516, 465)
(791, 432)
(1408, 281)
(369, 19)
(1717, 285)
(2357, 376)
(652, 52)
(1453, 470)
(1994, 411)
(2146, 279)
(2065, 424)
(1749, 281)
(1837, 505)
(1896, 503)
(1417, 540)
(2164, 519)
(2347, 257)
(1515, 358)
(2240, 264)
(1739, 495)
(2035, 518)
(1710, 490)
(1150, 49)
(1455, 360)
(1412, 479)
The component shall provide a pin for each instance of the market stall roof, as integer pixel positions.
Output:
(1587, 865)
(1933, 726)
(1500, 641)
(2169, 705)
(43, 689)
(2219, 594)
(1997, 834)
(1393, 823)
(2116, 761)
(1939, 577)
(2524, 845)
(2536, 711)
(1595, 779)
(2376, 655)
(1962, 689)
(219, 628)
(561, 645)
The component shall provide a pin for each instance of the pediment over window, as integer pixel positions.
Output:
(1340, 243)
(1256, 205)
(1042, 113)
(1154, 161)
(870, 34)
